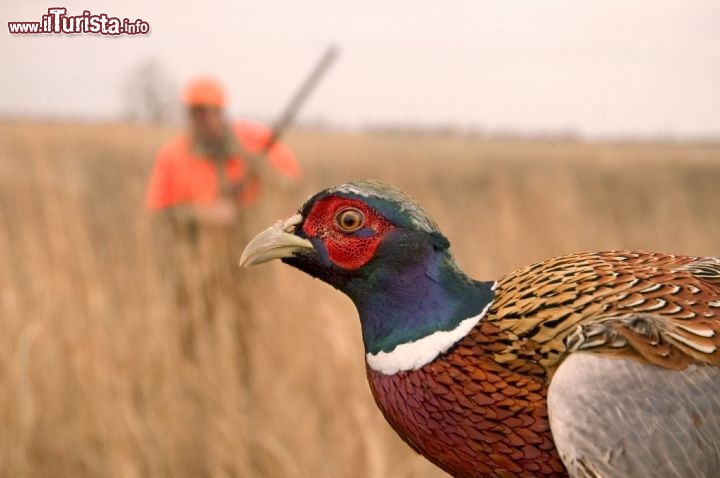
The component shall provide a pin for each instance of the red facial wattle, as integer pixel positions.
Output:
(348, 250)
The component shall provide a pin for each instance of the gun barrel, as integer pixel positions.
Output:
(290, 112)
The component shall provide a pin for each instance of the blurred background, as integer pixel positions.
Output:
(527, 130)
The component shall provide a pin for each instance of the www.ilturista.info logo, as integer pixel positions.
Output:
(59, 23)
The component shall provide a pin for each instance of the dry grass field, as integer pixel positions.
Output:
(93, 381)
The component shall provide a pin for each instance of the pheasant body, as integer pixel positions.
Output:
(511, 378)
(487, 396)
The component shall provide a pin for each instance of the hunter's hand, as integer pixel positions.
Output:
(220, 212)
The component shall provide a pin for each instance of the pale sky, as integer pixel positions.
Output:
(598, 68)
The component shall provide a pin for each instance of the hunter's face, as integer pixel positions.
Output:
(207, 121)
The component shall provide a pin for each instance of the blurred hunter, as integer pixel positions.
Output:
(202, 185)
(206, 174)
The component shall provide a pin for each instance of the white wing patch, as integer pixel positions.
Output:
(621, 417)
(413, 355)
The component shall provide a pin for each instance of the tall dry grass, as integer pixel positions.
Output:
(93, 381)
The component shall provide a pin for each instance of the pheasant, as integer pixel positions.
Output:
(589, 365)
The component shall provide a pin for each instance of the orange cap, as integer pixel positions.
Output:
(204, 91)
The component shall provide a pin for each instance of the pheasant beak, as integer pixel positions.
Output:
(275, 242)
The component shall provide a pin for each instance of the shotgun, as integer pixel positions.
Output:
(288, 115)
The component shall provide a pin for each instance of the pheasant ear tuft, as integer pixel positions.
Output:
(439, 242)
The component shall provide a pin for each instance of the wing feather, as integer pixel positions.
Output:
(619, 417)
(656, 308)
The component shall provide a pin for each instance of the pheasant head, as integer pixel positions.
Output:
(378, 246)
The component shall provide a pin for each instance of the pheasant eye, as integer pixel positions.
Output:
(350, 219)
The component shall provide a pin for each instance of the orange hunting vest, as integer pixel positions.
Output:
(182, 175)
